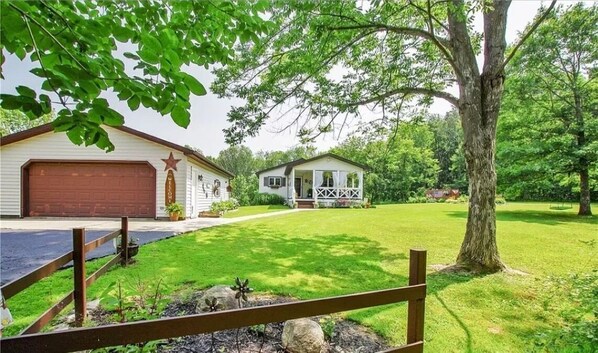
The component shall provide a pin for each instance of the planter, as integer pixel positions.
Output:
(133, 250)
(174, 217)
(209, 214)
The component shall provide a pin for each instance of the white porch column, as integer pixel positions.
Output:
(314, 194)
(337, 184)
(361, 185)
(293, 186)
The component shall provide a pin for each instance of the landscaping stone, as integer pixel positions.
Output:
(225, 296)
(303, 336)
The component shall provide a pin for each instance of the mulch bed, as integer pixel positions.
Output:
(348, 337)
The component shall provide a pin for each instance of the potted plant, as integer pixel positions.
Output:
(132, 247)
(175, 210)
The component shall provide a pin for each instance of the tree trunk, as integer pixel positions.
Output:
(479, 251)
(585, 208)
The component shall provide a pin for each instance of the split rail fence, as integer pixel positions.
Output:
(78, 294)
(136, 332)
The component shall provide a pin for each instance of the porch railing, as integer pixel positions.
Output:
(324, 192)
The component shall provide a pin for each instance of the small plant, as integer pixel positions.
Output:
(328, 325)
(140, 301)
(175, 210)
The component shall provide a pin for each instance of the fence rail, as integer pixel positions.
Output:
(136, 332)
(77, 255)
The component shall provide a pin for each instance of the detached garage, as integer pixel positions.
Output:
(44, 175)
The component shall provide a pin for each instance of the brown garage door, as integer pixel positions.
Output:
(91, 189)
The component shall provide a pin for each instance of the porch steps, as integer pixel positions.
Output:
(305, 204)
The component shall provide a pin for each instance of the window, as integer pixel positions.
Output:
(328, 179)
(352, 180)
(274, 182)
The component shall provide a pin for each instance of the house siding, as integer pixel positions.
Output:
(57, 146)
(204, 194)
(278, 172)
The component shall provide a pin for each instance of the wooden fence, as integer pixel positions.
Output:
(80, 248)
(135, 332)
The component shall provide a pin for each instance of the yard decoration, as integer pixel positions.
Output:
(175, 211)
(132, 247)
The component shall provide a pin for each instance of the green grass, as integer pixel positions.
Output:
(253, 210)
(339, 251)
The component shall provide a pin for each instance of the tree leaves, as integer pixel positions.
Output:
(79, 46)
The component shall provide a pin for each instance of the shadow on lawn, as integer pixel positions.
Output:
(533, 216)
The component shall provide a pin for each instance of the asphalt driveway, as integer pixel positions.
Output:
(26, 244)
(22, 251)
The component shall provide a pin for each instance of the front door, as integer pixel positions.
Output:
(298, 187)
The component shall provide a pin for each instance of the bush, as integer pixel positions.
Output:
(579, 293)
(268, 199)
(223, 206)
(175, 207)
(417, 199)
(500, 200)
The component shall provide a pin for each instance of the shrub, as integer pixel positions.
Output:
(223, 206)
(579, 293)
(268, 199)
(500, 200)
(463, 199)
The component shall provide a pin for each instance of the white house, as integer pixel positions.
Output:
(43, 174)
(322, 179)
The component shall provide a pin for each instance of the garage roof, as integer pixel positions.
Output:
(42, 129)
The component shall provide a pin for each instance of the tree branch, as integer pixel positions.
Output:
(441, 43)
(410, 90)
(529, 33)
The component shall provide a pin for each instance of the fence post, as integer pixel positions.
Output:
(79, 275)
(124, 240)
(415, 308)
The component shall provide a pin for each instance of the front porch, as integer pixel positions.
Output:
(313, 186)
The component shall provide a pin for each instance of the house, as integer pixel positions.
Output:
(322, 179)
(43, 174)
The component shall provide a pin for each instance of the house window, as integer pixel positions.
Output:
(274, 182)
(328, 179)
(352, 180)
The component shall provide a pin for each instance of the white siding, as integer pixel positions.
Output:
(278, 172)
(204, 194)
(56, 146)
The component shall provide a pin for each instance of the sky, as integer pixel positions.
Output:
(208, 113)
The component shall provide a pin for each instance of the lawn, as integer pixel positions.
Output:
(253, 210)
(339, 251)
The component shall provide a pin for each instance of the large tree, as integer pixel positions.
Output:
(136, 49)
(550, 126)
(330, 57)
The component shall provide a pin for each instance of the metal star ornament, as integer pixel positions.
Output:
(171, 162)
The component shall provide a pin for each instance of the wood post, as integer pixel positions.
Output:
(79, 275)
(416, 308)
(124, 240)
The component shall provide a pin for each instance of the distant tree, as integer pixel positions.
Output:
(12, 121)
(267, 159)
(237, 160)
(135, 48)
(402, 161)
(550, 127)
(448, 150)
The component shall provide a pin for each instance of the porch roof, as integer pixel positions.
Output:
(297, 162)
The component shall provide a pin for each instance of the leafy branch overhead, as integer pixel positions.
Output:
(135, 49)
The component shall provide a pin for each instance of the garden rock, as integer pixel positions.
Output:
(303, 336)
(225, 296)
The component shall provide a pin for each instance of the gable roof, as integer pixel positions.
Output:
(290, 165)
(42, 129)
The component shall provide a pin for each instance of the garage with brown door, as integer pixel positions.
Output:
(89, 189)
